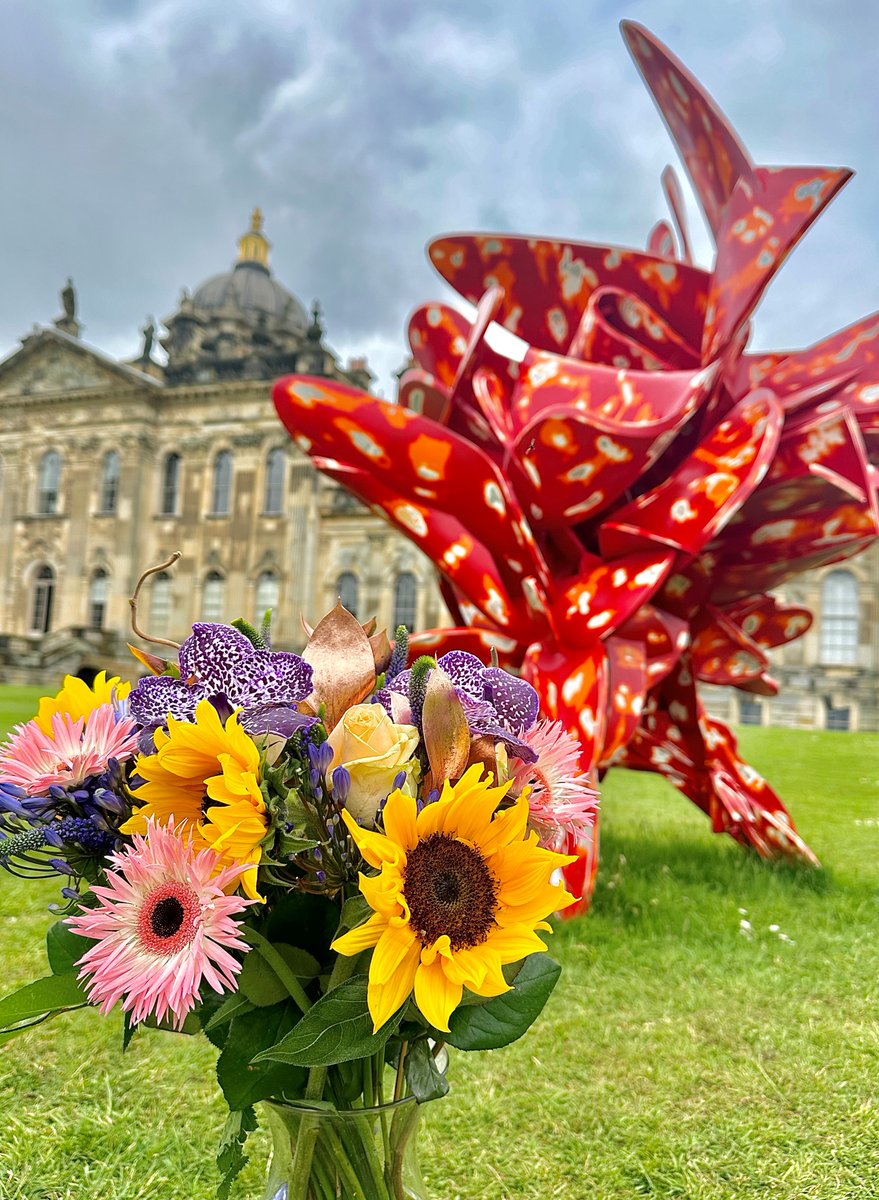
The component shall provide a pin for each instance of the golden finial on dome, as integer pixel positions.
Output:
(254, 246)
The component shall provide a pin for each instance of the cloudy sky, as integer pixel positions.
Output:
(137, 136)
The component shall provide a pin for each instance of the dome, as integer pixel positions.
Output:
(249, 286)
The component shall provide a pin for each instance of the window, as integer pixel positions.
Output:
(214, 597)
(838, 718)
(110, 482)
(839, 618)
(49, 483)
(42, 600)
(98, 599)
(160, 604)
(751, 712)
(268, 591)
(276, 472)
(170, 497)
(221, 495)
(347, 589)
(405, 600)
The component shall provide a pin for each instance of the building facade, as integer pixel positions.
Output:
(107, 468)
(830, 676)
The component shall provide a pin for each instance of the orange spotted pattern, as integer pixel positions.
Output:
(610, 500)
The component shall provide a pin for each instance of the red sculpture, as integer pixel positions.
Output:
(611, 511)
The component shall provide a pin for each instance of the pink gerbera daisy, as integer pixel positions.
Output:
(561, 799)
(73, 752)
(162, 927)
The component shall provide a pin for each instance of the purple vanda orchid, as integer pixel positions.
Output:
(496, 704)
(218, 661)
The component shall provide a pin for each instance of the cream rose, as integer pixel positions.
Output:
(374, 751)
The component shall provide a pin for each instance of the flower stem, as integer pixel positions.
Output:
(400, 1081)
(314, 1090)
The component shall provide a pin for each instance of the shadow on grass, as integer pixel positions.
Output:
(630, 861)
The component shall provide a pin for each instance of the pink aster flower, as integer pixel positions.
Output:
(73, 752)
(162, 927)
(562, 801)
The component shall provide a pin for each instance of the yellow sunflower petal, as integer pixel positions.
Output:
(400, 819)
(389, 953)
(512, 945)
(376, 848)
(385, 999)
(435, 994)
(507, 827)
(383, 892)
(361, 938)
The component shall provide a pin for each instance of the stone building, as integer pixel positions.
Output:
(829, 677)
(107, 468)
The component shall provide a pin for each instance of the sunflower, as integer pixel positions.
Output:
(205, 777)
(459, 893)
(76, 699)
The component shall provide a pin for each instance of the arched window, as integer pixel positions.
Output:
(405, 600)
(213, 597)
(268, 592)
(840, 610)
(221, 494)
(98, 590)
(49, 482)
(276, 477)
(110, 481)
(348, 591)
(42, 599)
(169, 500)
(160, 604)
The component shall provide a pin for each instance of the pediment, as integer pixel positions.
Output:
(52, 363)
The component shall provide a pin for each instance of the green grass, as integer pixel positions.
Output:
(677, 1058)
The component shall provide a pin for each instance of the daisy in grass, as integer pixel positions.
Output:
(561, 799)
(205, 778)
(71, 752)
(162, 927)
(460, 892)
(76, 699)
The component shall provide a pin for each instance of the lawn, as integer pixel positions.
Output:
(683, 1055)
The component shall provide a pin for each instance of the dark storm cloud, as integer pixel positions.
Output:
(136, 137)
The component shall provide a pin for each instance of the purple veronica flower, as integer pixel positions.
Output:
(217, 660)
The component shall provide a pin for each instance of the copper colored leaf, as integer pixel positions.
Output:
(381, 651)
(152, 662)
(369, 626)
(446, 732)
(344, 668)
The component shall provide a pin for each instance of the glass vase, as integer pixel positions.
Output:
(324, 1153)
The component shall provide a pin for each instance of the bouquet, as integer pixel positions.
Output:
(333, 865)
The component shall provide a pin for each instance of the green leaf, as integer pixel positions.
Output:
(65, 948)
(244, 1083)
(505, 1018)
(235, 1005)
(230, 1156)
(426, 1081)
(355, 911)
(260, 984)
(51, 994)
(335, 1029)
(312, 918)
(129, 1028)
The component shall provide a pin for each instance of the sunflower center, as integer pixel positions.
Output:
(169, 918)
(450, 890)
